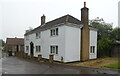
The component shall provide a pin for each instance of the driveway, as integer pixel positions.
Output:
(14, 65)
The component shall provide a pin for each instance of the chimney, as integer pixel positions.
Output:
(85, 34)
(85, 15)
(42, 19)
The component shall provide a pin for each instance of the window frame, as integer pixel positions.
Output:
(54, 32)
(38, 35)
(92, 49)
(37, 48)
(27, 48)
(54, 49)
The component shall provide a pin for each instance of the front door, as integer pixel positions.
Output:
(31, 49)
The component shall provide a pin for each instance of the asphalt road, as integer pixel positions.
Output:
(13, 65)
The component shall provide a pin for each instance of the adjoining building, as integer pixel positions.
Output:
(1, 47)
(14, 45)
(67, 39)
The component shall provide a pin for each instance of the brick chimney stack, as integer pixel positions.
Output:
(85, 37)
(42, 19)
(84, 15)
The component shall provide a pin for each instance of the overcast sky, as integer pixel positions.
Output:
(18, 15)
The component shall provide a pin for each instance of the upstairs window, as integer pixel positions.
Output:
(53, 49)
(27, 37)
(38, 35)
(92, 49)
(54, 32)
(38, 48)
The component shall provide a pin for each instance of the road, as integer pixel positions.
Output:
(14, 65)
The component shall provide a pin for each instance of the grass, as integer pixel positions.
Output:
(106, 62)
(113, 65)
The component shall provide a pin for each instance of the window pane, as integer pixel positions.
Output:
(51, 32)
(56, 31)
(39, 34)
(91, 49)
(39, 48)
(50, 49)
(56, 49)
(53, 49)
(36, 49)
(27, 48)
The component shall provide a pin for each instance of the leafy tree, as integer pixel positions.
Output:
(104, 36)
(104, 29)
(104, 46)
(3, 43)
(116, 34)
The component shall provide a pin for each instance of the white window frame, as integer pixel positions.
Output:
(92, 49)
(38, 48)
(27, 48)
(54, 32)
(54, 49)
(38, 35)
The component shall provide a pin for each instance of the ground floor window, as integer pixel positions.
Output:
(53, 49)
(92, 49)
(27, 48)
(38, 48)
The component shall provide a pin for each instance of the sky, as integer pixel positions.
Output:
(16, 16)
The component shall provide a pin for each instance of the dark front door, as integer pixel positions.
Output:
(31, 49)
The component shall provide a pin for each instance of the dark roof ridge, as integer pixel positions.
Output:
(63, 19)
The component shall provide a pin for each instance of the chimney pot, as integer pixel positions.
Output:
(84, 4)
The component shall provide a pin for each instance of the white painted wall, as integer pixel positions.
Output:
(46, 40)
(93, 42)
(68, 41)
(72, 44)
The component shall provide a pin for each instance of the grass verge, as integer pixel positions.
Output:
(113, 65)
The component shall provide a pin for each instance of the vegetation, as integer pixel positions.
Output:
(116, 34)
(106, 62)
(113, 65)
(3, 43)
(106, 35)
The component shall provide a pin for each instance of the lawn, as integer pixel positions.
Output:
(107, 62)
(114, 65)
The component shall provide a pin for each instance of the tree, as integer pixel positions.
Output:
(116, 34)
(29, 29)
(104, 47)
(3, 43)
(104, 36)
(104, 29)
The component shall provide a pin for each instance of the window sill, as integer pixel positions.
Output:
(92, 53)
(54, 54)
(54, 36)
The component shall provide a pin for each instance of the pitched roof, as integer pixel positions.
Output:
(15, 41)
(64, 19)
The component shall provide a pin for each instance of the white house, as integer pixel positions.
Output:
(67, 38)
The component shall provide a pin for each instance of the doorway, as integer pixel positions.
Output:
(31, 49)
